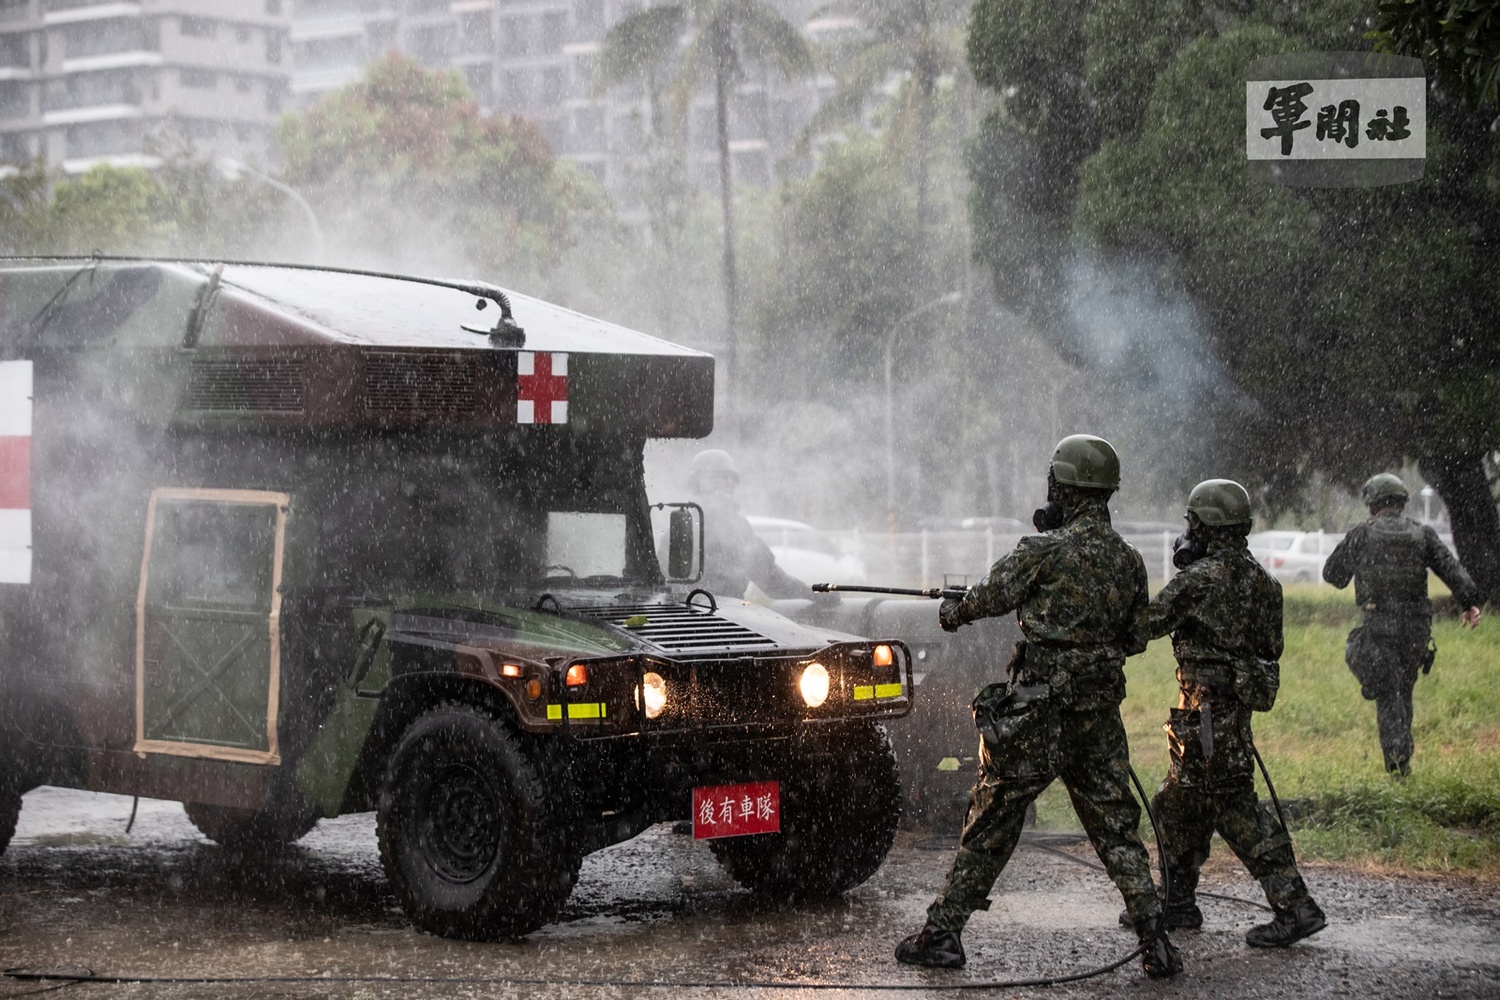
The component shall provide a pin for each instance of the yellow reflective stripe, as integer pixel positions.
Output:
(888, 690)
(864, 693)
(581, 710)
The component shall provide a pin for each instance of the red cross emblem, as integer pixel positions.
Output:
(15, 471)
(541, 388)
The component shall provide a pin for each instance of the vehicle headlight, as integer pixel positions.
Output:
(653, 694)
(814, 684)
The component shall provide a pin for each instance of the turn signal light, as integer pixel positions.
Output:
(577, 676)
(883, 656)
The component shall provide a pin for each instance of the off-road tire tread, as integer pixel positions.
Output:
(825, 855)
(10, 813)
(536, 874)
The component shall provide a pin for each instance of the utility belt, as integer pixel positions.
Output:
(1077, 677)
(1411, 607)
(1251, 681)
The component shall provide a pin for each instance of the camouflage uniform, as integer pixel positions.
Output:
(1078, 590)
(1224, 613)
(1388, 557)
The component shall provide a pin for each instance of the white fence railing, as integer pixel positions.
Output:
(938, 558)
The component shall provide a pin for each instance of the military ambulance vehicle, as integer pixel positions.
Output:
(284, 543)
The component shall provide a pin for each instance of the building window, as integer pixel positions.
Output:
(14, 51)
(198, 79)
(478, 79)
(242, 84)
(15, 100)
(554, 85)
(243, 34)
(197, 27)
(554, 32)
(588, 129)
(273, 8)
(104, 139)
(474, 33)
(513, 36)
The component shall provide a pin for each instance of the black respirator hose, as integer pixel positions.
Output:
(1161, 845)
(1280, 816)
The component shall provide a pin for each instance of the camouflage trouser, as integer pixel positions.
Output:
(1201, 795)
(1087, 750)
(1386, 654)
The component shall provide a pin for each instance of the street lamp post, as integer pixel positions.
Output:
(233, 169)
(890, 420)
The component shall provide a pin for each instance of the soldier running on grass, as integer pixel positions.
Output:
(1388, 557)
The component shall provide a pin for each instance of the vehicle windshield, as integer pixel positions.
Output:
(471, 514)
(586, 546)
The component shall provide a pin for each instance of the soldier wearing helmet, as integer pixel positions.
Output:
(734, 555)
(1388, 557)
(1223, 611)
(1078, 590)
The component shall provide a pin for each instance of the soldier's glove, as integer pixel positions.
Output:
(948, 616)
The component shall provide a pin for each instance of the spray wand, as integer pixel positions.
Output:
(936, 593)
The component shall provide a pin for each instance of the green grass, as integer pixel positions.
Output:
(1323, 752)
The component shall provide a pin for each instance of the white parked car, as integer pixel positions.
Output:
(810, 554)
(1294, 556)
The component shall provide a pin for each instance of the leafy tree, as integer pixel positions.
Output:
(1458, 41)
(407, 168)
(722, 36)
(1347, 328)
(922, 40)
(182, 208)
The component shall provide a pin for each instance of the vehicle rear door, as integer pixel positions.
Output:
(208, 644)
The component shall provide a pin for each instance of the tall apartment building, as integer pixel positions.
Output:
(538, 58)
(128, 80)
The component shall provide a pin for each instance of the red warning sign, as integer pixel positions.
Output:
(736, 810)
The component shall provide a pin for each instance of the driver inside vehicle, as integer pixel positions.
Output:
(734, 555)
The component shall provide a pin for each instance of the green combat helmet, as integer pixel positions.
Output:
(1218, 502)
(1085, 460)
(1383, 487)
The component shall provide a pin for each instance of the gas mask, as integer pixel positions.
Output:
(1189, 546)
(1048, 517)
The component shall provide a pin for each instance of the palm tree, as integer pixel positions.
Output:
(921, 39)
(720, 35)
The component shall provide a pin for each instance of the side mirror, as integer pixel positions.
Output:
(680, 544)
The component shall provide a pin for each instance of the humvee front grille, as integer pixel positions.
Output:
(246, 385)
(678, 628)
(400, 382)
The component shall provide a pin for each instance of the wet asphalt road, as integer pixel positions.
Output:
(77, 892)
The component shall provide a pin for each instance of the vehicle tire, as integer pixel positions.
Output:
(284, 822)
(10, 812)
(840, 803)
(473, 839)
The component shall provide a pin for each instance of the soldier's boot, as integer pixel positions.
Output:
(932, 946)
(1289, 927)
(1181, 909)
(1159, 959)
